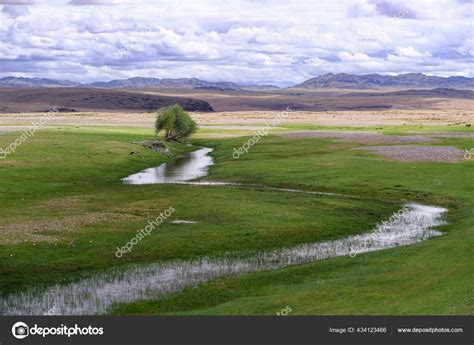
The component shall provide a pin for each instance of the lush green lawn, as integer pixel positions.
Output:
(68, 182)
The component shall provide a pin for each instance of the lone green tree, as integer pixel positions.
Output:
(175, 122)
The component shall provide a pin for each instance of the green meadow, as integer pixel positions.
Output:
(64, 211)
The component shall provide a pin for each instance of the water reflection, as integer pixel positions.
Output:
(189, 167)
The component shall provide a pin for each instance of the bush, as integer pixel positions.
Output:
(176, 123)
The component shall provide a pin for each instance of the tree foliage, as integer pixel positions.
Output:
(175, 122)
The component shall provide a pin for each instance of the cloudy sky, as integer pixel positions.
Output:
(250, 41)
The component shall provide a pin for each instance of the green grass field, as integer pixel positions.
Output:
(65, 210)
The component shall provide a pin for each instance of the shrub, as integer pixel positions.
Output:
(175, 122)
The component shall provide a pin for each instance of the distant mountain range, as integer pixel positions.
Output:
(326, 81)
(35, 82)
(377, 81)
(132, 83)
(181, 83)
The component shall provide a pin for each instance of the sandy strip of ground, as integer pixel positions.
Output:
(239, 127)
(254, 118)
(6, 129)
(343, 118)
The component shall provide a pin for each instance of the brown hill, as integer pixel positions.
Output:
(86, 99)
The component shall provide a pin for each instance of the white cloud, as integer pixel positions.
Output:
(411, 52)
(17, 2)
(269, 41)
(15, 11)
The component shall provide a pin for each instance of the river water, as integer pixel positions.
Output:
(188, 167)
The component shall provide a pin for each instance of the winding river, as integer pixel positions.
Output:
(97, 294)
